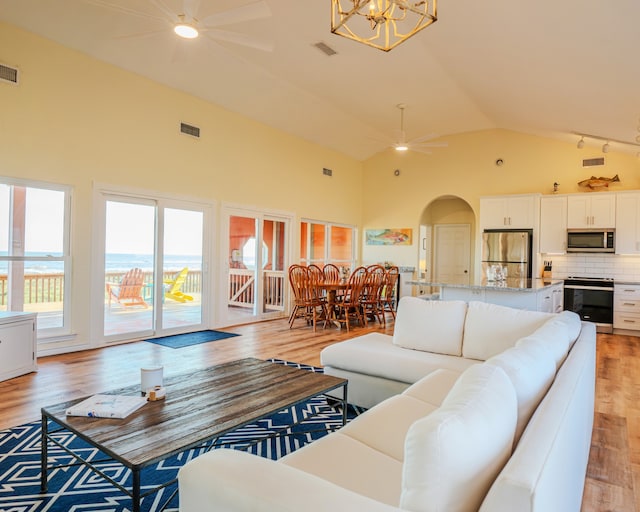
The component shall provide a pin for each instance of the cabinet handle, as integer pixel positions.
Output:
(629, 303)
(630, 321)
(631, 291)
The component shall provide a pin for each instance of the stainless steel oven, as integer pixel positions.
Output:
(592, 299)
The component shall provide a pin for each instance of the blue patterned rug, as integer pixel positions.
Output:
(78, 488)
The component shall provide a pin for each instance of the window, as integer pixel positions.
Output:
(34, 252)
(323, 242)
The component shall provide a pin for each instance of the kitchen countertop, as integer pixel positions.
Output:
(511, 284)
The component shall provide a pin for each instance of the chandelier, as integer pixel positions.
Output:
(383, 24)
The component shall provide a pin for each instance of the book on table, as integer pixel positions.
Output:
(107, 406)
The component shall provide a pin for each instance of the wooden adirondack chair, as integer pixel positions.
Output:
(129, 291)
(172, 287)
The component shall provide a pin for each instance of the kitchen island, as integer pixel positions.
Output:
(534, 294)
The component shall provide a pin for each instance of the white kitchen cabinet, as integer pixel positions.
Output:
(628, 223)
(553, 224)
(591, 210)
(551, 299)
(511, 212)
(626, 307)
(17, 344)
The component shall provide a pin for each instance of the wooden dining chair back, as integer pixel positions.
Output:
(129, 291)
(348, 305)
(388, 295)
(331, 273)
(307, 303)
(371, 293)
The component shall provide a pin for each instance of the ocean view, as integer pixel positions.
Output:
(113, 263)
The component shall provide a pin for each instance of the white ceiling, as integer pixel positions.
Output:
(548, 67)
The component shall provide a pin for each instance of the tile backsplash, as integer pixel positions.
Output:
(621, 268)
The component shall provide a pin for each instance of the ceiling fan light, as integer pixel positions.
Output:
(402, 147)
(185, 30)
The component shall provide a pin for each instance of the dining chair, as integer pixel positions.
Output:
(388, 294)
(348, 304)
(371, 293)
(331, 273)
(307, 301)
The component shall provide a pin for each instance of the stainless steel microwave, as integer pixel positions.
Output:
(591, 240)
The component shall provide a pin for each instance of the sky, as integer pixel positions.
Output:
(130, 227)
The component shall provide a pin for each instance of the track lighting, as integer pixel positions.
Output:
(605, 147)
(581, 143)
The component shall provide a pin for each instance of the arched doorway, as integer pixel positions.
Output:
(447, 241)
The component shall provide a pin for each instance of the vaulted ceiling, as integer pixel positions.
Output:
(550, 68)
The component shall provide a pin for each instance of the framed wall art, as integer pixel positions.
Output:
(392, 236)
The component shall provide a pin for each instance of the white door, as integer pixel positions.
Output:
(452, 253)
(255, 258)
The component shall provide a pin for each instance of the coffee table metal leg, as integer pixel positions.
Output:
(135, 490)
(344, 404)
(43, 454)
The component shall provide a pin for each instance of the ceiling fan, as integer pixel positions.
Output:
(186, 24)
(420, 144)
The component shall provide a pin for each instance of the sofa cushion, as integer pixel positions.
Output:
(490, 329)
(375, 354)
(559, 334)
(531, 369)
(454, 454)
(351, 464)
(384, 427)
(433, 388)
(430, 325)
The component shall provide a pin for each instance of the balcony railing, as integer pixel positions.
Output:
(45, 288)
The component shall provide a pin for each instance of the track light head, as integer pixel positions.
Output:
(605, 147)
(581, 143)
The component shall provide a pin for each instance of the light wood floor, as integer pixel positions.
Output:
(613, 475)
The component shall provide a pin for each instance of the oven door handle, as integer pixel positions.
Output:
(578, 287)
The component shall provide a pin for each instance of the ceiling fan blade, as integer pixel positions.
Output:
(124, 10)
(433, 145)
(168, 12)
(241, 39)
(140, 34)
(418, 150)
(254, 11)
(191, 8)
(424, 138)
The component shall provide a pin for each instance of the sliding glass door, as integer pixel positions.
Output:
(153, 263)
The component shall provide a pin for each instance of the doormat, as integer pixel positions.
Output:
(191, 338)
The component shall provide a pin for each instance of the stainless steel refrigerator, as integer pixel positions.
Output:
(507, 248)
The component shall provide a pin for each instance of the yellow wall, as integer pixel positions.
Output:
(74, 120)
(467, 169)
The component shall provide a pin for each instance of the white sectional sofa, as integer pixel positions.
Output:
(475, 408)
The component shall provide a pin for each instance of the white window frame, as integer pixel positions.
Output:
(307, 260)
(54, 333)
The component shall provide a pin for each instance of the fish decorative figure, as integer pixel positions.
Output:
(600, 183)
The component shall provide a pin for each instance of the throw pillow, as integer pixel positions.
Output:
(453, 455)
(430, 325)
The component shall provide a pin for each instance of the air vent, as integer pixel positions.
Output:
(325, 48)
(590, 162)
(327, 172)
(188, 129)
(8, 74)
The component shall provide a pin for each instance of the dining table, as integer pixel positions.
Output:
(332, 290)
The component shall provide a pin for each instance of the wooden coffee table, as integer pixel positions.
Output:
(199, 407)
